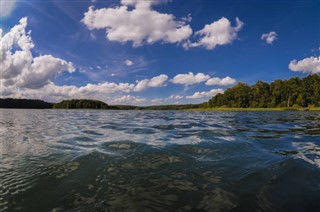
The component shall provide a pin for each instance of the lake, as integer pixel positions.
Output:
(92, 160)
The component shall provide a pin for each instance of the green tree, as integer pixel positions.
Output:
(280, 93)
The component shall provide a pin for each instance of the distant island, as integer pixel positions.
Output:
(294, 93)
(81, 104)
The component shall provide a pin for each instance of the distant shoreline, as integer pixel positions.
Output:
(85, 104)
(191, 109)
(255, 109)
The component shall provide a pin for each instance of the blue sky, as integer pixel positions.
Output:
(151, 51)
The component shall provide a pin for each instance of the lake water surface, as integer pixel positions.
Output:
(90, 160)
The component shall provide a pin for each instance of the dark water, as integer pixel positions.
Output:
(79, 160)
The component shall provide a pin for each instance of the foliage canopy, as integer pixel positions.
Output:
(81, 104)
(295, 92)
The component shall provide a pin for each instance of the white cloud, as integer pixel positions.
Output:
(173, 99)
(52, 92)
(23, 75)
(142, 85)
(42, 70)
(176, 97)
(143, 3)
(128, 100)
(137, 22)
(190, 78)
(6, 7)
(307, 65)
(157, 100)
(158, 81)
(217, 33)
(221, 81)
(19, 67)
(269, 37)
(140, 25)
(128, 62)
(203, 94)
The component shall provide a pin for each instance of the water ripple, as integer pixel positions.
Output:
(83, 160)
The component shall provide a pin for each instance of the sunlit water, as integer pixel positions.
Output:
(89, 160)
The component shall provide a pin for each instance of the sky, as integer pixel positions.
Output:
(149, 52)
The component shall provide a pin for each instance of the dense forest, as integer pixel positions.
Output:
(25, 103)
(81, 104)
(295, 92)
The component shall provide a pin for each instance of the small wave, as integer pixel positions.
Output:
(309, 152)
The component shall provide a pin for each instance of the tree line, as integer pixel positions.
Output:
(295, 92)
(25, 103)
(81, 104)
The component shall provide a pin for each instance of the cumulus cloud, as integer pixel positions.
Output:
(217, 33)
(158, 81)
(128, 62)
(128, 100)
(173, 99)
(176, 97)
(6, 7)
(106, 87)
(221, 81)
(19, 67)
(204, 94)
(23, 75)
(269, 37)
(306, 65)
(138, 25)
(137, 22)
(190, 78)
(52, 92)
